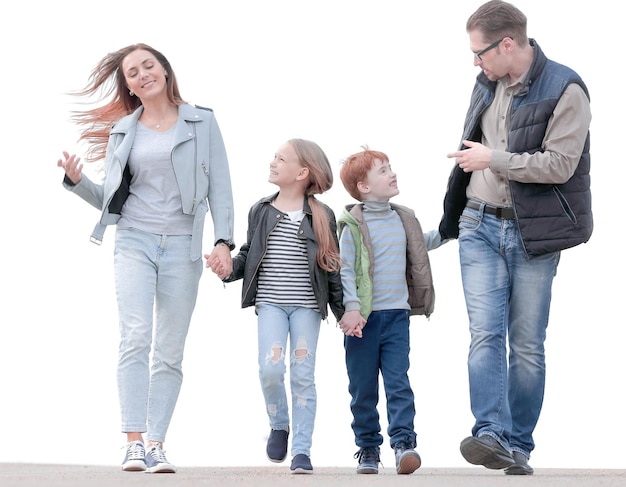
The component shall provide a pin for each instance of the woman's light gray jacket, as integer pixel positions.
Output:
(200, 165)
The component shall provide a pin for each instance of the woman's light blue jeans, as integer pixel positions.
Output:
(157, 286)
(302, 326)
(506, 293)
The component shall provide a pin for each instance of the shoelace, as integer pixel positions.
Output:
(135, 451)
(158, 454)
(368, 455)
(401, 446)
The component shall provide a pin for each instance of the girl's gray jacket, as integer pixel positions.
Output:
(200, 166)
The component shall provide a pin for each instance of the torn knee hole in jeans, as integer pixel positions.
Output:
(301, 352)
(277, 353)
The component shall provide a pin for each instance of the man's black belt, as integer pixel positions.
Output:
(500, 212)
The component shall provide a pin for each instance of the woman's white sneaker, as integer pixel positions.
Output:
(156, 461)
(135, 459)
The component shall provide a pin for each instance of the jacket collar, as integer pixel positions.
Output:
(352, 213)
(305, 205)
(539, 62)
(186, 113)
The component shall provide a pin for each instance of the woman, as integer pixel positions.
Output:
(165, 167)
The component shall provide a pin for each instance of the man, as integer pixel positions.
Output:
(518, 195)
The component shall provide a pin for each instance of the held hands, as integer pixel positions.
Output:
(220, 261)
(352, 323)
(475, 158)
(72, 166)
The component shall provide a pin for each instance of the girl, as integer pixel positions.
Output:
(290, 270)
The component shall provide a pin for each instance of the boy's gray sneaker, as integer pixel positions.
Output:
(407, 459)
(368, 457)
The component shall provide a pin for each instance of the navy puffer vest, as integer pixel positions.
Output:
(550, 217)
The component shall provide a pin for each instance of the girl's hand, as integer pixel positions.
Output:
(220, 261)
(352, 323)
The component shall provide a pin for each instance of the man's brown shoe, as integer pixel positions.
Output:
(486, 451)
(520, 467)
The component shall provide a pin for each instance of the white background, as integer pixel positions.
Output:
(395, 75)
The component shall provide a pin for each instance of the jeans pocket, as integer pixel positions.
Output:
(469, 221)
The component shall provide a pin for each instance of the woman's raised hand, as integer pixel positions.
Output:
(72, 166)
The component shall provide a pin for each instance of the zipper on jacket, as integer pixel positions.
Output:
(256, 271)
(195, 169)
(194, 201)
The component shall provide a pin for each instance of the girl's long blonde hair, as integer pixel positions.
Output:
(313, 157)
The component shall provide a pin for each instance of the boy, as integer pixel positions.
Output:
(386, 277)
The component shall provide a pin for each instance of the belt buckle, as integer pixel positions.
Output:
(505, 213)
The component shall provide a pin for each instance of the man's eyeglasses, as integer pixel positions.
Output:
(488, 48)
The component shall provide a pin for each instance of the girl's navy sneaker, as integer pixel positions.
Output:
(301, 464)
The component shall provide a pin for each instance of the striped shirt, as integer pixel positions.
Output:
(284, 273)
(390, 289)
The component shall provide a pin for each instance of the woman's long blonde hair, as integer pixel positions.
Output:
(107, 79)
(313, 157)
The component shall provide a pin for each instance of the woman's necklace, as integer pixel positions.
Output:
(151, 123)
(156, 125)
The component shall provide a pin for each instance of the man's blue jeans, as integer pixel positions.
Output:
(506, 294)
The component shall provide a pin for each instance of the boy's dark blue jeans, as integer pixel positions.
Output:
(384, 348)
